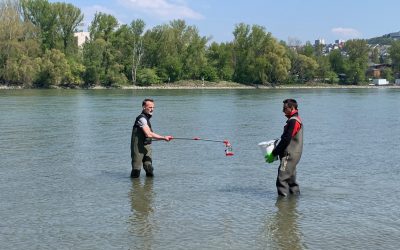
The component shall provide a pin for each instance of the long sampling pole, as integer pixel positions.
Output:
(228, 145)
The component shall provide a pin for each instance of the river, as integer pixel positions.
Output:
(65, 165)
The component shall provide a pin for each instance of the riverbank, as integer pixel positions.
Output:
(219, 85)
(287, 86)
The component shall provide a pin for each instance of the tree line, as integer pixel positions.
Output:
(38, 49)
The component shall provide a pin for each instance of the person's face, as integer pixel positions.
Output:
(287, 110)
(148, 108)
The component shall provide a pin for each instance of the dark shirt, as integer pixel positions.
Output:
(289, 131)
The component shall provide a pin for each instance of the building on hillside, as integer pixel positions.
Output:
(395, 35)
(340, 43)
(319, 41)
(81, 37)
(375, 70)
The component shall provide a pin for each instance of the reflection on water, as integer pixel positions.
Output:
(282, 229)
(141, 221)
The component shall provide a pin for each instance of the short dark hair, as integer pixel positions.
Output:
(146, 100)
(291, 103)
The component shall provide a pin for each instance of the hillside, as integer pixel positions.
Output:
(385, 39)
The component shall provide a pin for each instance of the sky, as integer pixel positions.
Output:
(287, 20)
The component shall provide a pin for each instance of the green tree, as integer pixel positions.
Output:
(147, 77)
(278, 63)
(241, 57)
(69, 18)
(324, 72)
(338, 62)
(307, 50)
(128, 44)
(21, 70)
(137, 28)
(357, 51)
(54, 69)
(102, 27)
(387, 73)
(92, 59)
(258, 58)
(194, 59)
(318, 50)
(304, 68)
(100, 53)
(18, 46)
(42, 15)
(164, 51)
(176, 51)
(220, 60)
(394, 52)
(375, 55)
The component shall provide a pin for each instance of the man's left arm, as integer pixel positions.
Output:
(150, 134)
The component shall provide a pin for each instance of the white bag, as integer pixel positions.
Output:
(267, 147)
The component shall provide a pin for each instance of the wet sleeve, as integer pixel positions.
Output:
(285, 138)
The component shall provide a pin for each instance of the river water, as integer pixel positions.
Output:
(65, 165)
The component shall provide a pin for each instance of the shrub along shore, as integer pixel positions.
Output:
(212, 85)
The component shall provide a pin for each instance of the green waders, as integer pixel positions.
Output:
(286, 180)
(141, 155)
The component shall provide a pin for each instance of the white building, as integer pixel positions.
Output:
(82, 37)
(319, 41)
(340, 43)
(380, 82)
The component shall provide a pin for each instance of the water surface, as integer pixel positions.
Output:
(65, 165)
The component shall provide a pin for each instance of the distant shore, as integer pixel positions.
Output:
(218, 85)
(288, 86)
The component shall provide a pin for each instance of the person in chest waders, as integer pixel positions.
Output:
(289, 150)
(142, 135)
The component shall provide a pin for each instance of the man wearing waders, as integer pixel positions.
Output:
(142, 134)
(289, 150)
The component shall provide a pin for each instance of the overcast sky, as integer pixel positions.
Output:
(303, 20)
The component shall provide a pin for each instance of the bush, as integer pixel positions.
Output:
(115, 77)
(210, 74)
(147, 77)
(54, 69)
(332, 77)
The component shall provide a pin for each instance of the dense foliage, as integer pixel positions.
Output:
(38, 49)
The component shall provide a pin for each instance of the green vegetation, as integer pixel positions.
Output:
(382, 40)
(38, 49)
